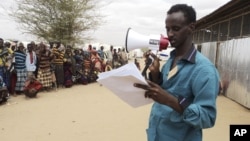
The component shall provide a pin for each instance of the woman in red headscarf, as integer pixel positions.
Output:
(32, 86)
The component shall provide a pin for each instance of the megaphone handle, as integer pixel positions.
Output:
(151, 59)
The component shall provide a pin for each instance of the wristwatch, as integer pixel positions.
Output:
(184, 102)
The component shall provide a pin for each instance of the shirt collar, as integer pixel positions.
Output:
(189, 56)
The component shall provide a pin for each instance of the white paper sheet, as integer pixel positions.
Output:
(120, 81)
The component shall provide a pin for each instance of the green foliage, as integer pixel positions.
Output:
(66, 21)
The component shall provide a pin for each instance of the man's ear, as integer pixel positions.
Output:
(192, 26)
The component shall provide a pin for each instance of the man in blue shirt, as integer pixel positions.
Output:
(101, 52)
(185, 89)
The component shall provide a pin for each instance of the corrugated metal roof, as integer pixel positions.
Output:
(224, 12)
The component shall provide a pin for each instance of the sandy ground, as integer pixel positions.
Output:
(92, 113)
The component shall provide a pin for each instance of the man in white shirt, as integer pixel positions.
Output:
(31, 60)
(109, 55)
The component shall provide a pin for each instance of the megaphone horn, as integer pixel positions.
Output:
(135, 40)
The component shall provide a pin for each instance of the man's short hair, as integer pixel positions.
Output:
(29, 45)
(188, 11)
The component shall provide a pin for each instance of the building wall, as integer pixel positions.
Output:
(224, 37)
(232, 60)
(209, 50)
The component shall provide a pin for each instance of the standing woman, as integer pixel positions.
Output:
(58, 52)
(96, 60)
(44, 74)
(12, 71)
(68, 67)
(5, 61)
(20, 68)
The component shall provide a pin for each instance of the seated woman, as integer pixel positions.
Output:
(32, 87)
(108, 66)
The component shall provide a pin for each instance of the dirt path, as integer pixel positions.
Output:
(93, 113)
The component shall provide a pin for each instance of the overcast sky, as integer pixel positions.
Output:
(143, 16)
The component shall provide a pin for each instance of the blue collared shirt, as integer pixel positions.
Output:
(194, 78)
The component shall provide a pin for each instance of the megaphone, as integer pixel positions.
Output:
(135, 40)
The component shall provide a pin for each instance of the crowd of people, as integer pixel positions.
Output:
(43, 67)
(184, 89)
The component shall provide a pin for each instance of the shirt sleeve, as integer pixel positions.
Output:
(201, 113)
